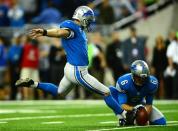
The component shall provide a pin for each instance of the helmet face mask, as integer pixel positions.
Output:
(140, 72)
(85, 16)
(139, 81)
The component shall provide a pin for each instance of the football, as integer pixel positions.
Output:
(141, 116)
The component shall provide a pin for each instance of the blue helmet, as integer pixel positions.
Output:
(140, 72)
(85, 15)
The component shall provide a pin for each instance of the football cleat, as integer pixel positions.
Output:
(24, 82)
(122, 122)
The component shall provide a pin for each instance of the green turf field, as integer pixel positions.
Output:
(73, 116)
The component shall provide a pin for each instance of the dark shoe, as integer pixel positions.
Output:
(122, 122)
(24, 82)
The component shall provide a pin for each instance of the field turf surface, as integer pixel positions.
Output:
(77, 115)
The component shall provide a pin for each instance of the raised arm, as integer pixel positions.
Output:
(56, 32)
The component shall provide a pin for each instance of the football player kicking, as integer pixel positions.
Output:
(74, 42)
(137, 89)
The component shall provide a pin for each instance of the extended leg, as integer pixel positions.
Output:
(48, 87)
(93, 84)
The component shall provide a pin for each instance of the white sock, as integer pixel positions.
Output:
(122, 115)
(34, 85)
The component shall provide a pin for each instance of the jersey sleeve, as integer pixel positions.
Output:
(122, 84)
(68, 25)
(153, 86)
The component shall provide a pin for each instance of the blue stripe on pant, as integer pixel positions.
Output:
(83, 82)
(161, 121)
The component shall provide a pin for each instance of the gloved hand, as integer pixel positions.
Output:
(138, 106)
(131, 115)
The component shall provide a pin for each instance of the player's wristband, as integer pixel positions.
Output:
(44, 32)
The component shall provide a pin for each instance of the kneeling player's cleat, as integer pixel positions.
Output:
(24, 82)
(122, 122)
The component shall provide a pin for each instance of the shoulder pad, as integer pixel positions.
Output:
(67, 24)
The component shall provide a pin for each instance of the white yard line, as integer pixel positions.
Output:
(108, 122)
(53, 122)
(169, 111)
(130, 127)
(66, 116)
(170, 122)
(11, 111)
(57, 116)
(3, 122)
(114, 122)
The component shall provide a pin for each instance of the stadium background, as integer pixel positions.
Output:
(152, 20)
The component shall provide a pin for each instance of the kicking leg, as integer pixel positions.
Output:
(48, 87)
(93, 84)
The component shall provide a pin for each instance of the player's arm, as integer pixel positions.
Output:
(150, 95)
(148, 108)
(127, 107)
(149, 102)
(56, 32)
(122, 95)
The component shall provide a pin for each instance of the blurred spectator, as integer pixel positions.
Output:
(99, 61)
(159, 64)
(134, 48)
(29, 10)
(49, 15)
(106, 13)
(141, 8)
(114, 56)
(172, 54)
(96, 61)
(3, 69)
(171, 37)
(16, 14)
(122, 8)
(68, 6)
(30, 65)
(57, 59)
(14, 59)
(168, 77)
(4, 21)
(44, 48)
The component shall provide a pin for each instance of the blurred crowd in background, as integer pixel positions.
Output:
(16, 13)
(109, 56)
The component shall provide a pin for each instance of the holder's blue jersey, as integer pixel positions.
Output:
(76, 46)
(132, 94)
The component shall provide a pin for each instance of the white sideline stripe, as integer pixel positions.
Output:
(70, 116)
(113, 122)
(169, 111)
(53, 122)
(76, 102)
(130, 127)
(27, 111)
(169, 122)
(8, 111)
(108, 122)
(3, 122)
(57, 116)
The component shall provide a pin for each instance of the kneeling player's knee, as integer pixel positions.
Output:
(107, 93)
(113, 90)
(161, 121)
